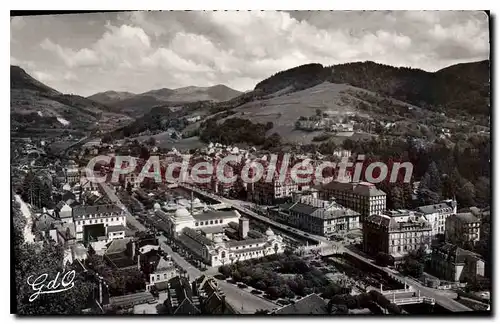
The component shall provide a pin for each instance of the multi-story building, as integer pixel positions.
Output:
(362, 197)
(182, 218)
(452, 263)
(396, 233)
(437, 214)
(274, 191)
(72, 173)
(316, 216)
(221, 245)
(98, 220)
(159, 277)
(462, 229)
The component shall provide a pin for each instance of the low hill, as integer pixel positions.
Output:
(37, 106)
(111, 96)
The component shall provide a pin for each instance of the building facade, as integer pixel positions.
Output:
(452, 263)
(99, 217)
(462, 229)
(437, 214)
(396, 234)
(362, 197)
(316, 216)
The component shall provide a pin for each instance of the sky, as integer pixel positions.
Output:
(140, 51)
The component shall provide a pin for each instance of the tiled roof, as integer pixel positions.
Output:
(209, 215)
(311, 304)
(117, 246)
(454, 253)
(196, 236)
(430, 209)
(361, 188)
(116, 228)
(80, 211)
(246, 242)
(467, 217)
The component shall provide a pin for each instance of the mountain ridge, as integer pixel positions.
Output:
(136, 105)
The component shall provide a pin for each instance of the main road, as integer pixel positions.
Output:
(114, 199)
(241, 300)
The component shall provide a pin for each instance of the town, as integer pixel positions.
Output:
(247, 248)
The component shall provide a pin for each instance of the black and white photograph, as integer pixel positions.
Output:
(254, 162)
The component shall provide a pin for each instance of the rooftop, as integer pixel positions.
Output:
(117, 246)
(467, 217)
(210, 215)
(80, 211)
(116, 228)
(360, 188)
(311, 304)
(430, 209)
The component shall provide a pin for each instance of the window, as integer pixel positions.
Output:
(112, 219)
(157, 277)
(211, 222)
(196, 224)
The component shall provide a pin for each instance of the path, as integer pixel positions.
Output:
(28, 234)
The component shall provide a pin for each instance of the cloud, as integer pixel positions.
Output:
(138, 51)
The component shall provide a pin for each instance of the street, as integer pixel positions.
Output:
(114, 199)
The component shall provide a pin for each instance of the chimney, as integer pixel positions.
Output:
(243, 228)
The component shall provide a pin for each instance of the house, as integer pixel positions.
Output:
(120, 254)
(462, 229)
(212, 298)
(162, 273)
(309, 305)
(451, 263)
(180, 299)
(437, 214)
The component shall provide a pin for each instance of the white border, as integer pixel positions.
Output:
(204, 5)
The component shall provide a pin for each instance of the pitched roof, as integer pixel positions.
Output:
(467, 217)
(360, 188)
(215, 214)
(116, 228)
(454, 253)
(117, 246)
(311, 304)
(80, 211)
(430, 209)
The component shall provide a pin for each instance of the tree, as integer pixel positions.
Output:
(412, 268)
(151, 141)
(261, 312)
(384, 259)
(33, 260)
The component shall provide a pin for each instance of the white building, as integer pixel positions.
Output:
(99, 217)
(437, 214)
(182, 218)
